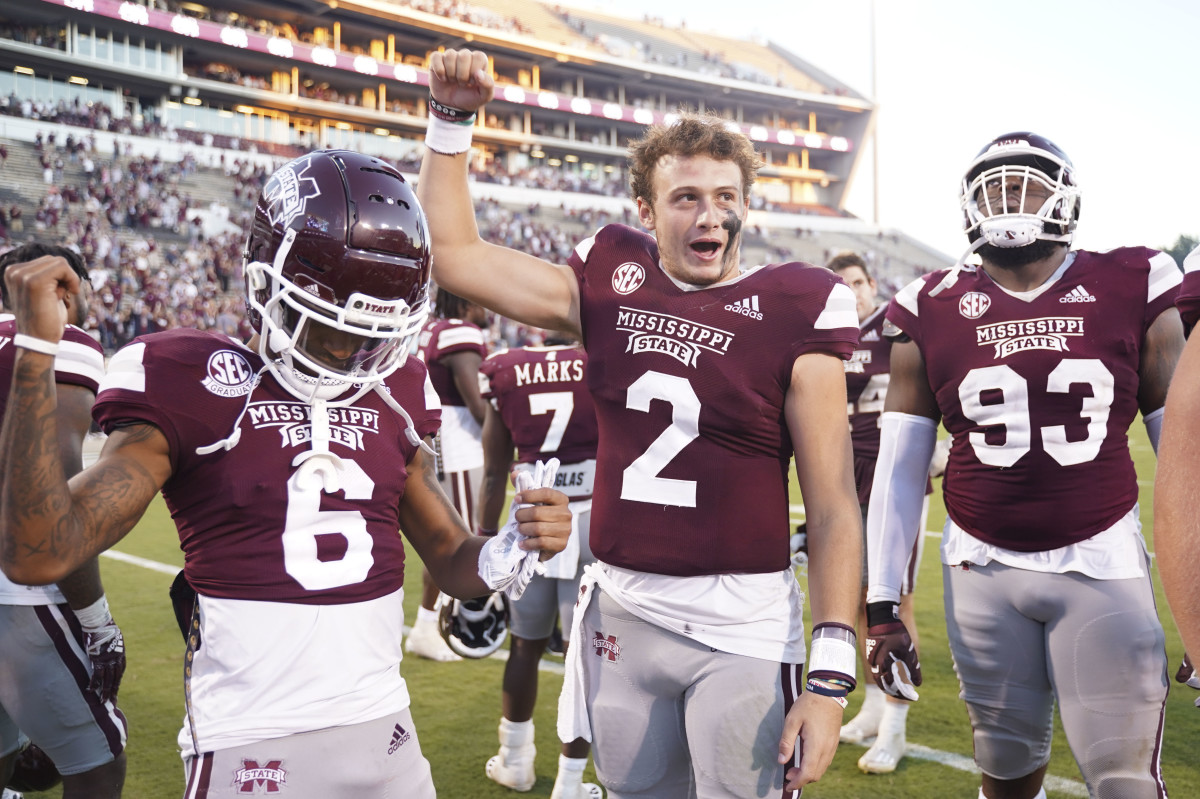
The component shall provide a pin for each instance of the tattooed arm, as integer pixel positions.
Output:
(49, 527)
(447, 547)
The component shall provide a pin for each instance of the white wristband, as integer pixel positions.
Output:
(94, 615)
(449, 138)
(36, 344)
(832, 654)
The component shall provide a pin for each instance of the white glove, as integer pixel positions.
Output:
(503, 565)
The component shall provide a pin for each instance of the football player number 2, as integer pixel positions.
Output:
(996, 396)
(305, 521)
(640, 481)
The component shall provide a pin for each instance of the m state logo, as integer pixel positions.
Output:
(229, 374)
(251, 777)
(973, 304)
(287, 192)
(628, 278)
(606, 646)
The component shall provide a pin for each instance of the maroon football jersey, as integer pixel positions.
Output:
(1038, 392)
(543, 399)
(442, 337)
(80, 360)
(867, 375)
(689, 387)
(247, 528)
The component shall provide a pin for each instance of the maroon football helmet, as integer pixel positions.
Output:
(339, 249)
(1025, 168)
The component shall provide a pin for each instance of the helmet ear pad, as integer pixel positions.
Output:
(474, 628)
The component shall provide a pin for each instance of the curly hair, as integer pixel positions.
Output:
(32, 251)
(691, 134)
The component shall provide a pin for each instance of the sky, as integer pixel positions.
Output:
(1115, 84)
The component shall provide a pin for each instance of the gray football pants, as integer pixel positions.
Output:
(674, 718)
(374, 760)
(1022, 639)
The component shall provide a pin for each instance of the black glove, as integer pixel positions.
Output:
(105, 646)
(890, 652)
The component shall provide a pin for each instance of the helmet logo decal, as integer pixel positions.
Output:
(974, 304)
(288, 192)
(628, 278)
(229, 374)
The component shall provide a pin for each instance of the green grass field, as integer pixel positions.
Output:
(457, 706)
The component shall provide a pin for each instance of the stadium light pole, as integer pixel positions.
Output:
(875, 126)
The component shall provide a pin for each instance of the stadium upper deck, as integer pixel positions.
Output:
(575, 86)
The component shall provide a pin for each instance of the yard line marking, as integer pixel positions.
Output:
(1051, 783)
(145, 563)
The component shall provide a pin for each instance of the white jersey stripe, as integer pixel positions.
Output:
(907, 296)
(79, 359)
(840, 310)
(126, 370)
(467, 334)
(1164, 276)
(1192, 262)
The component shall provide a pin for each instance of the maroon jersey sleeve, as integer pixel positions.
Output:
(689, 387)
(248, 527)
(1188, 301)
(1038, 391)
(544, 402)
(80, 360)
(441, 338)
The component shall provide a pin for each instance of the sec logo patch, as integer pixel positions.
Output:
(974, 304)
(229, 374)
(628, 278)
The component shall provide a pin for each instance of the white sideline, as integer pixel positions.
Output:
(1052, 783)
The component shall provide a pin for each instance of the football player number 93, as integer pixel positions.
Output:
(305, 521)
(1013, 411)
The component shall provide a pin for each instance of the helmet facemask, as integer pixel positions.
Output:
(299, 329)
(1016, 195)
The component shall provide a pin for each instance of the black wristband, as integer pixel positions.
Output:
(882, 613)
(449, 112)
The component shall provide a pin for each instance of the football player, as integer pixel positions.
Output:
(61, 654)
(1037, 362)
(1176, 527)
(289, 464)
(881, 717)
(538, 402)
(707, 377)
(452, 346)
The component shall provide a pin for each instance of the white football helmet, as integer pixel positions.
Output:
(1009, 174)
(474, 628)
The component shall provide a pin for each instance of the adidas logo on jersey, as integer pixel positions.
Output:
(1078, 294)
(747, 306)
(399, 737)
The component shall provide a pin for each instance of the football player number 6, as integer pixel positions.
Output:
(640, 481)
(1012, 411)
(305, 521)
